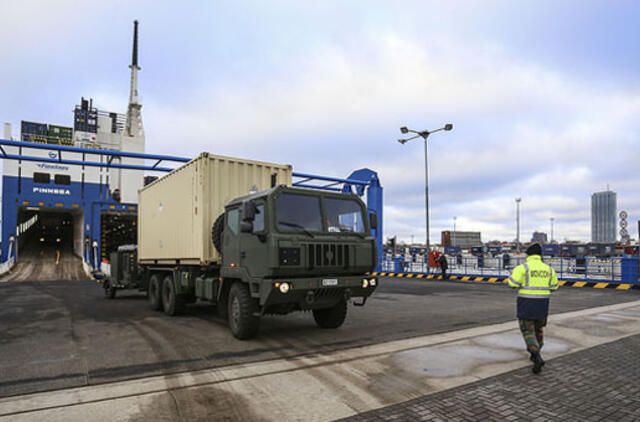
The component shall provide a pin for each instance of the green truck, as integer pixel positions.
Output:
(270, 252)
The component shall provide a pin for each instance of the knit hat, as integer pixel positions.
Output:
(534, 249)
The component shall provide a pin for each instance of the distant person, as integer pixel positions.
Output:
(444, 266)
(534, 280)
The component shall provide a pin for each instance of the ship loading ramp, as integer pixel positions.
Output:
(49, 246)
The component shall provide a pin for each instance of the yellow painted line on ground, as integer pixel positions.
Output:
(579, 284)
(623, 287)
(420, 276)
(466, 278)
(479, 279)
(493, 279)
(410, 275)
(600, 285)
(430, 276)
(391, 274)
(561, 283)
(454, 277)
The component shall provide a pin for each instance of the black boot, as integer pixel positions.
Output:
(538, 362)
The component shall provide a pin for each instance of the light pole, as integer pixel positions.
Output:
(518, 223)
(424, 135)
(453, 241)
(551, 220)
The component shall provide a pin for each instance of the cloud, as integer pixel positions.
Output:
(330, 99)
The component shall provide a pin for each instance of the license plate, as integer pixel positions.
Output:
(330, 282)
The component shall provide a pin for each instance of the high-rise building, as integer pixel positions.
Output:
(603, 217)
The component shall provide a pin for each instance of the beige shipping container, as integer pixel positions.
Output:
(176, 212)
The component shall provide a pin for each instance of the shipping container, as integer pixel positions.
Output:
(550, 250)
(176, 212)
(452, 250)
(60, 132)
(31, 128)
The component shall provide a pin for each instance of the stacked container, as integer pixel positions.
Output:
(60, 135)
(34, 132)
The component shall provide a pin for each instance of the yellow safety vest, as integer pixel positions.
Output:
(533, 279)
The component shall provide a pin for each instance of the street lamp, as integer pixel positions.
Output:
(551, 220)
(424, 134)
(453, 243)
(518, 223)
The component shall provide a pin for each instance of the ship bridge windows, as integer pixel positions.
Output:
(58, 179)
(62, 179)
(41, 177)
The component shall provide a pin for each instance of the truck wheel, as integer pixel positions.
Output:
(109, 292)
(153, 293)
(172, 303)
(216, 233)
(331, 317)
(242, 321)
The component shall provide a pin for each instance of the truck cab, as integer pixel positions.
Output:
(298, 249)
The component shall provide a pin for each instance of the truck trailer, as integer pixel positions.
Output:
(235, 233)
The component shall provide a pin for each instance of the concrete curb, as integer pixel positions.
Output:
(499, 280)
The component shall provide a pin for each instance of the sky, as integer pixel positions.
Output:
(544, 96)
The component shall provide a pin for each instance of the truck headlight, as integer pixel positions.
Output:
(365, 283)
(284, 288)
(372, 282)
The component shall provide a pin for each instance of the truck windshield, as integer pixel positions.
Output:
(299, 213)
(343, 215)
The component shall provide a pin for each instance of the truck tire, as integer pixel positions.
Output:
(243, 322)
(172, 302)
(109, 292)
(216, 233)
(331, 317)
(153, 293)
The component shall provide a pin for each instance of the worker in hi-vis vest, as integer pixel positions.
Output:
(534, 280)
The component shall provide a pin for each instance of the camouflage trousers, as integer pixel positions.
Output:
(532, 333)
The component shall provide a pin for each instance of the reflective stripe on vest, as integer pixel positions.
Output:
(533, 296)
(526, 271)
(513, 280)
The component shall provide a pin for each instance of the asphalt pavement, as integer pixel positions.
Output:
(65, 334)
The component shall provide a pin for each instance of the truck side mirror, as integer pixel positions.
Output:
(249, 211)
(246, 226)
(373, 220)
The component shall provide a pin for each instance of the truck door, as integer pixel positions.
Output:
(231, 238)
(253, 254)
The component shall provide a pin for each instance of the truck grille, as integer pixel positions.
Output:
(328, 255)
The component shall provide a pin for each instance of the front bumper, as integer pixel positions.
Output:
(316, 292)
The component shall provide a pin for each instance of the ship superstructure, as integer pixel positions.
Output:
(92, 205)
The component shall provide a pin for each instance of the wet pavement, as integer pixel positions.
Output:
(398, 373)
(64, 334)
(596, 384)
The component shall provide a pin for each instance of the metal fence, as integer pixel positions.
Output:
(588, 268)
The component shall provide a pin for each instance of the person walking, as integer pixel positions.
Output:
(442, 260)
(535, 281)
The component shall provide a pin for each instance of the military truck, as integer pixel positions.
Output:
(273, 250)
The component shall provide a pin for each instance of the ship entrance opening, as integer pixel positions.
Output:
(49, 245)
(118, 228)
